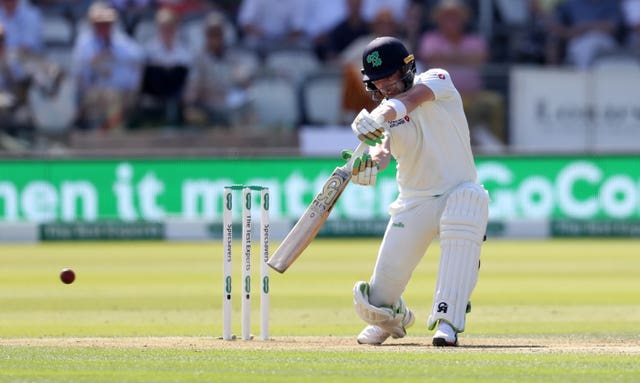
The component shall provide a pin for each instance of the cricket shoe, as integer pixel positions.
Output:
(445, 335)
(375, 335)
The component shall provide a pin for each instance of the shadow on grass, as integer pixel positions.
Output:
(501, 346)
(466, 346)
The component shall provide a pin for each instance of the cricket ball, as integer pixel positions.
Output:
(67, 276)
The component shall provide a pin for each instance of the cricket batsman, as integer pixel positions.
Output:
(421, 123)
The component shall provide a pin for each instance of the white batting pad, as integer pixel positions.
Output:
(462, 228)
(369, 313)
(393, 320)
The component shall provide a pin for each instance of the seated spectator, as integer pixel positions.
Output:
(631, 13)
(371, 8)
(216, 89)
(14, 84)
(530, 43)
(20, 71)
(22, 23)
(107, 66)
(320, 18)
(414, 24)
(186, 8)
(464, 55)
(130, 12)
(165, 72)
(24, 39)
(348, 30)
(584, 29)
(270, 24)
(354, 95)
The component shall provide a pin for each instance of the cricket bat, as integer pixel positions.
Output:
(308, 226)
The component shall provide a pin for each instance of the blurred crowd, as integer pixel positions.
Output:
(121, 65)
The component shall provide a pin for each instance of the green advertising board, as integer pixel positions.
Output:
(134, 190)
(559, 188)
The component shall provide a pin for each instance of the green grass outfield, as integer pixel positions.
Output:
(543, 311)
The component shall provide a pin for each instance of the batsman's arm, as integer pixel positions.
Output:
(411, 99)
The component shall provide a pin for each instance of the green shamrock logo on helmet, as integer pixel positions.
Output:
(374, 59)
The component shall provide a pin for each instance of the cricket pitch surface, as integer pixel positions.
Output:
(330, 343)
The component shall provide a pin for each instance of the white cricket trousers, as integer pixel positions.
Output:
(410, 231)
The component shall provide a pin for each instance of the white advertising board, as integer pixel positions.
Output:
(577, 111)
(326, 140)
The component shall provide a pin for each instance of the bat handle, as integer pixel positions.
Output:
(358, 151)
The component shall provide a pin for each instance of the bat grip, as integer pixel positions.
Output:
(357, 152)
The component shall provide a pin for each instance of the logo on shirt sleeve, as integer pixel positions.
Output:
(401, 121)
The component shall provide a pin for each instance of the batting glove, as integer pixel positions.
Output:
(365, 169)
(368, 128)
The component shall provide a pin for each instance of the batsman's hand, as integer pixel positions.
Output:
(368, 128)
(365, 169)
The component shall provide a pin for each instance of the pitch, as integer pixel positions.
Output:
(558, 310)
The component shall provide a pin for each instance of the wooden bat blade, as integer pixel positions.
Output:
(310, 223)
(308, 226)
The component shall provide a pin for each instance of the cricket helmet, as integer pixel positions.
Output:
(383, 57)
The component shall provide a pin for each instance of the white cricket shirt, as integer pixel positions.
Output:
(431, 144)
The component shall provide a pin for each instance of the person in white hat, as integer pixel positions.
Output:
(107, 66)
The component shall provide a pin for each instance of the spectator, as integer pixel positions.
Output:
(354, 96)
(631, 13)
(186, 8)
(269, 24)
(414, 24)
(464, 55)
(584, 29)
(349, 29)
(398, 8)
(107, 65)
(131, 12)
(14, 83)
(167, 64)
(320, 18)
(23, 38)
(530, 45)
(22, 23)
(216, 88)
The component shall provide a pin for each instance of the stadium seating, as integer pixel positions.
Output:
(57, 30)
(322, 98)
(293, 63)
(53, 114)
(275, 102)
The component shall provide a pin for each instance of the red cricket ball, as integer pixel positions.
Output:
(67, 276)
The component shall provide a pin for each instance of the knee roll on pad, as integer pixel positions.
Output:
(465, 214)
